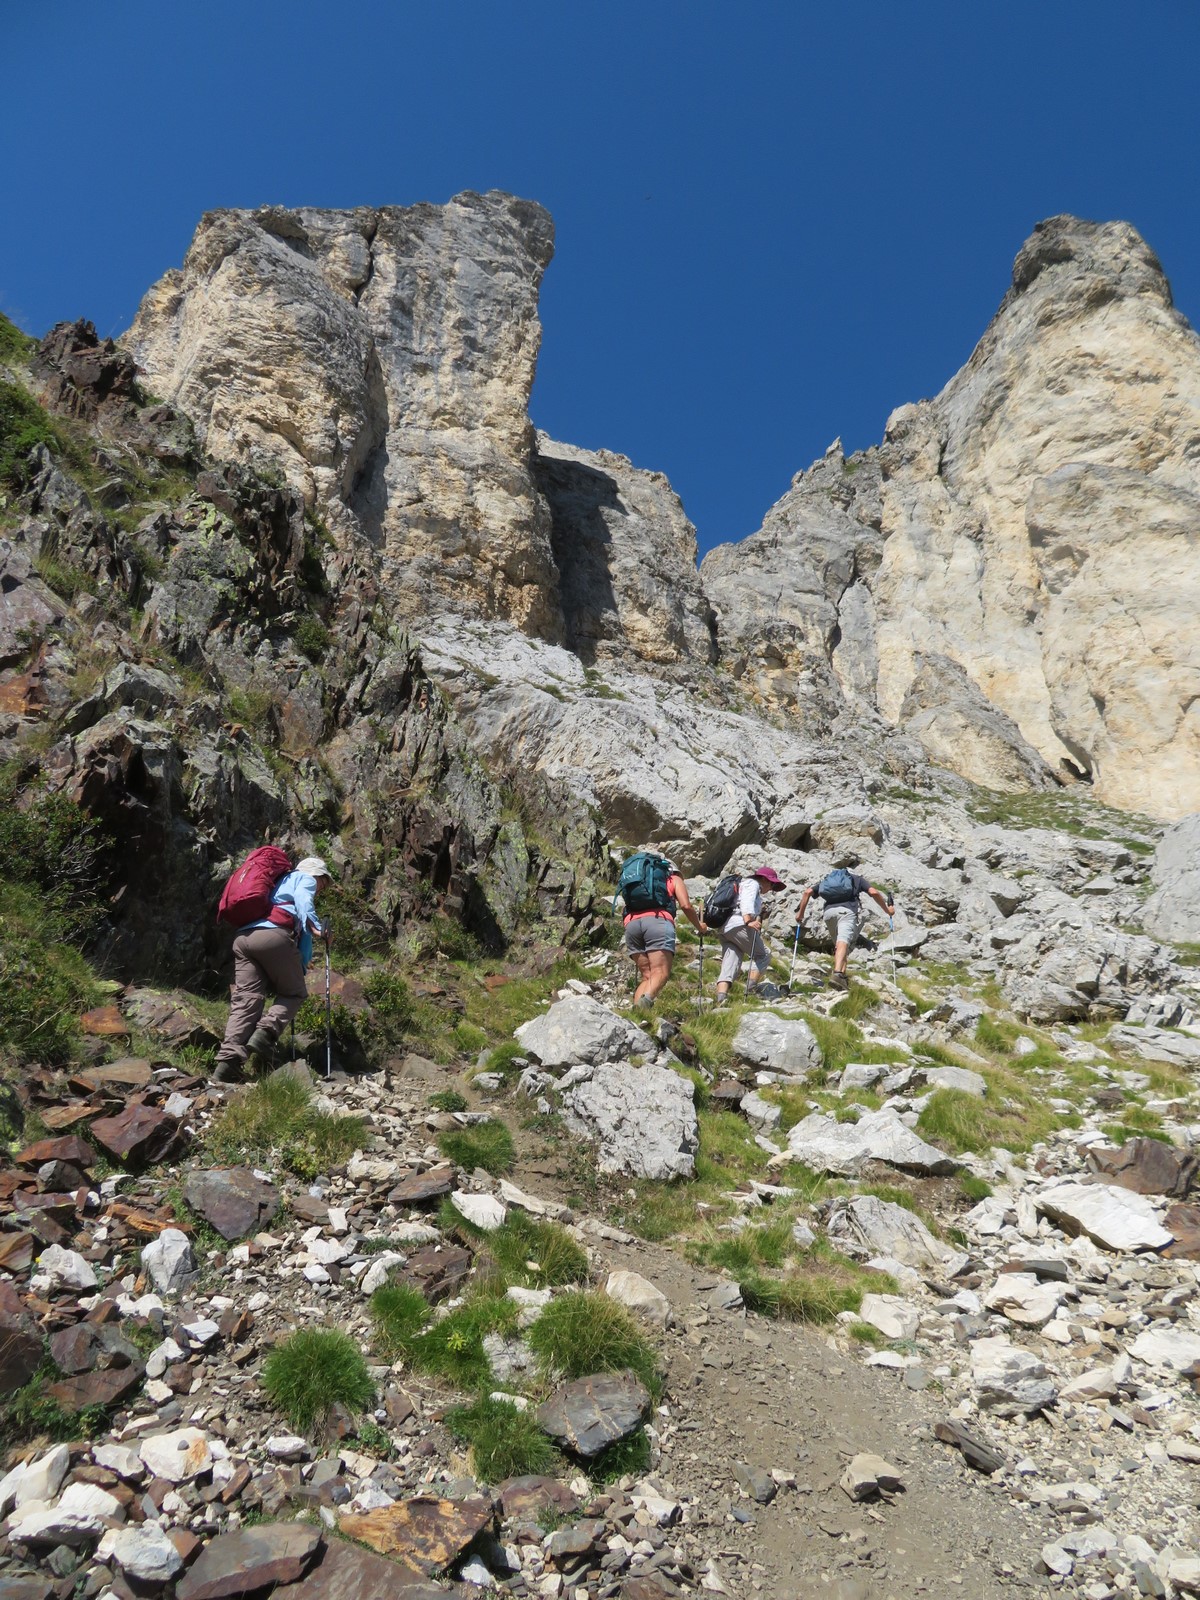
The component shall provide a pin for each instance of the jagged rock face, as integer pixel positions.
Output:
(386, 356)
(1042, 521)
(795, 620)
(1040, 525)
(961, 729)
(627, 555)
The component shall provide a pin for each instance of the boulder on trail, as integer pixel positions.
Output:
(866, 1226)
(588, 1414)
(1117, 1219)
(1157, 1044)
(231, 1200)
(1147, 1166)
(844, 1147)
(642, 1118)
(579, 1030)
(777, 1044)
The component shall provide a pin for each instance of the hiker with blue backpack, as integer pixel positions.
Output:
(653, 890)
(839, 891)
(273, 906)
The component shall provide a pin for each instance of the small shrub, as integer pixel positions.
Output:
(752, 1248)
(48, 842)
(535, 1255)
(865, 1333)
(277, 1115)
(469, 1039)
(374, 1440)
(32, 1413)
(314, 1370)
(451, 1348)
(23, 426)
(628, 1457)
(448, 1100)
(311, 637)
(505, 1442)
(14, 344)
(580, 1333)
(974, 1189)
(504, 1057)
(487, 1144)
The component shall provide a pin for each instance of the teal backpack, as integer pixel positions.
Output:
(643, 885)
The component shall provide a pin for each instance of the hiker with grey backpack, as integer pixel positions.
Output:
(653, 891)
(840, 892)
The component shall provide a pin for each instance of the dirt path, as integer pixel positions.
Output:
(777, 1396)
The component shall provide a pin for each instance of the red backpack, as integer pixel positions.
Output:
(246, 897)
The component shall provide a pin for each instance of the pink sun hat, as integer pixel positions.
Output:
(769, 875)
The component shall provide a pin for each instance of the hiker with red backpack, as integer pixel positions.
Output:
(653, 890)
(274, 907)
(735, 911)
(839, 890)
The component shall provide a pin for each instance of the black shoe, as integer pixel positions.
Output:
(228, 1072)
(262, 1044)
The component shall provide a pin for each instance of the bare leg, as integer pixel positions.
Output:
(660, 970)
(641, 960)
(841, 954)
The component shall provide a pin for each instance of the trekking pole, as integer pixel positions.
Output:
(891, 936)
(700, 980)
(795, 948)
(328, 1017)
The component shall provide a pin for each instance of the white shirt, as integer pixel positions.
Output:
(749, 904)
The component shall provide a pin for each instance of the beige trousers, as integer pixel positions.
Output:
(266, 961)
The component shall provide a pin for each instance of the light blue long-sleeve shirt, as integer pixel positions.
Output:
(296, 892)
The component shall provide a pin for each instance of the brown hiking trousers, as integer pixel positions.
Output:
(266, 961)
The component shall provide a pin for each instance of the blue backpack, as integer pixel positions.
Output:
(643, 885)
(837, 887)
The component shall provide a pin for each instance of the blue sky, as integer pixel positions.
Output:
(775, 221)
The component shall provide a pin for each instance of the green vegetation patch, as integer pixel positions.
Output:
(819, 1285)
(505, 1442)
(44, 983)
(276, 1115)
(583, 1332)
(312, 1371)
(485, 1144)
(1014, 1114)
(33, 1413)
(451, 1348)
(448, 1100)
(533, 1254)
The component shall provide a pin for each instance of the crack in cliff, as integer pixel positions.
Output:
(369, 240)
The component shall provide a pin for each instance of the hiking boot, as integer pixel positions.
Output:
(261, 1044)
(228, 1072)
(838, 980)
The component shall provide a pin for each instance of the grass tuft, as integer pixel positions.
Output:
(529, 1253)
(314, 1370)
(451, 1348)
(448, 1100)
(487, 1144)
(505, 1441)
(581, 1333)
(277, 1116)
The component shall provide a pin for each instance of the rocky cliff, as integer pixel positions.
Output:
(1037, 526)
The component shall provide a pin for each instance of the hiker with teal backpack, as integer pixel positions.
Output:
(840, 890)
(653, 891)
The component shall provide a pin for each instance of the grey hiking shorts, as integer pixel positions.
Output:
(843, 923)
(646, 934)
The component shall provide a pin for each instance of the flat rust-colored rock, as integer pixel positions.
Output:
(138, 1134)
(105, 1022)
(1184, 1223)
(429, 1533)
(437, 1270)
(70, 1148)
(418, 1186)
(131, 1072)
(16, 1251)
(1147, 1166)
(525, 1497)
(253, 1558)
(67, 1116)
(104, 1387)
(588, 1414)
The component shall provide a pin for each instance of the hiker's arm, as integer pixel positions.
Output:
(684, 903)
(886, 905)
(803, 906)
(306, 907)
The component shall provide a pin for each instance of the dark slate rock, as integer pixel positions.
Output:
(253, 1558)
(231, 1200)
(588, 1414)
